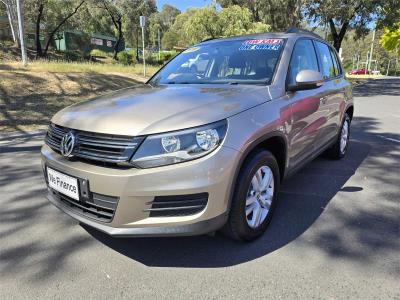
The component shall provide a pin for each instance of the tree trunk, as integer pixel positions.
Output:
(120, 36)
(11, 21)
(52, 33)
(37, 31)
(338, 37)
(296, 14)
(255, 14)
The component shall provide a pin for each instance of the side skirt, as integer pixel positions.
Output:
(315, 154)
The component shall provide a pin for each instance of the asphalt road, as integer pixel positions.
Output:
(335, 234)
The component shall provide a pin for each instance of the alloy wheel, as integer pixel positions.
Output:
(344, 136)
(259, 197)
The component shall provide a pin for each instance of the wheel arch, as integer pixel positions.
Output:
(276, 143)
(350, 111)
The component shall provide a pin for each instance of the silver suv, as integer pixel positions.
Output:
(201, 148)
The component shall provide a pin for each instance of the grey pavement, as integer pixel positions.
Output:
(335, 234)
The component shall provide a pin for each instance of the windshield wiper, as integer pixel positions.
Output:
(183, 82)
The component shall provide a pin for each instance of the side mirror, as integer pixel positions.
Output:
(307, 80)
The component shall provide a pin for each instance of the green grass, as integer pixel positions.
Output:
(78, 67)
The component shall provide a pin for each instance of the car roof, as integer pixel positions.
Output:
(266, 35)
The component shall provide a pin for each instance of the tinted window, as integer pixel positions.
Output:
(335, 62)
(303, 58)
(328, 69)
(237, 61)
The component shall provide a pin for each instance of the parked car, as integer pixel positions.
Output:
(359, 72)
(193, 152)
(197, 64)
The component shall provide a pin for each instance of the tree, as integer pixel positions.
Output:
(204, 23)
(133, 9)
(53, 15)
(199, 24)
(390, 39)
(162, 21)
(10, 7)
(37, 27)
(389, 15)
(167, 16)
(62, 21)
(235, 20)
(170, 39)
(280, 14)
(34, 11)
(92, 18)
(342, 15)
(115, 13)
(175, 35)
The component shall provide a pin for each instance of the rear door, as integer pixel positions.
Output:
(334, 91)
(307, 118)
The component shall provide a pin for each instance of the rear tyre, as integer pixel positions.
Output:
(339, 149)
(254, 198)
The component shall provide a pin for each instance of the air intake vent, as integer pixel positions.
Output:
(180, 205)
(98, 207)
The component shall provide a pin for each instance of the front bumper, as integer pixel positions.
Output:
(136, 188)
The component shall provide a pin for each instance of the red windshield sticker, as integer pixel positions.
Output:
(261, 44)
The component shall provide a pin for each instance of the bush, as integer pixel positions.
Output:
(126, 57)
(6, 43)
(155, 59)
(71, 55)
(167, 55)
(99, 53)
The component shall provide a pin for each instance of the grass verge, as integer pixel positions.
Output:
(30, 96)
(28, 99)
(77, 67)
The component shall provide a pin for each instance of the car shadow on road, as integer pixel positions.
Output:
(302, 200)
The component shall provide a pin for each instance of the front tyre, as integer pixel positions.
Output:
(254, 198)
(339, 149)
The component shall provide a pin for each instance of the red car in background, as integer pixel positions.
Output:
(359, 72)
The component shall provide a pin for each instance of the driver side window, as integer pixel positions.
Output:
(303, 58)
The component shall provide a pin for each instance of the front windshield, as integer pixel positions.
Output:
(247, 61)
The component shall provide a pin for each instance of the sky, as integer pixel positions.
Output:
(182, 5)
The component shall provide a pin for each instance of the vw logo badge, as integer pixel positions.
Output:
(67, 144)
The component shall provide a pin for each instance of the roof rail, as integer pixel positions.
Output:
(207, 39)
(298, 30)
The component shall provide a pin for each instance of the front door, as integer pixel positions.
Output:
(308, 118)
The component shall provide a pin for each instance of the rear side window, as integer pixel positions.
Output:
(328, 68)
(336, 64)
(303, 58)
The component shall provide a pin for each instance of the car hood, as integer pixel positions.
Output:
(147, 110)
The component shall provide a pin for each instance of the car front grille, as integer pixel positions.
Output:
(107, 148)
(98, 207)
(179, 205)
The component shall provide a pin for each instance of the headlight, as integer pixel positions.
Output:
(179, 146)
